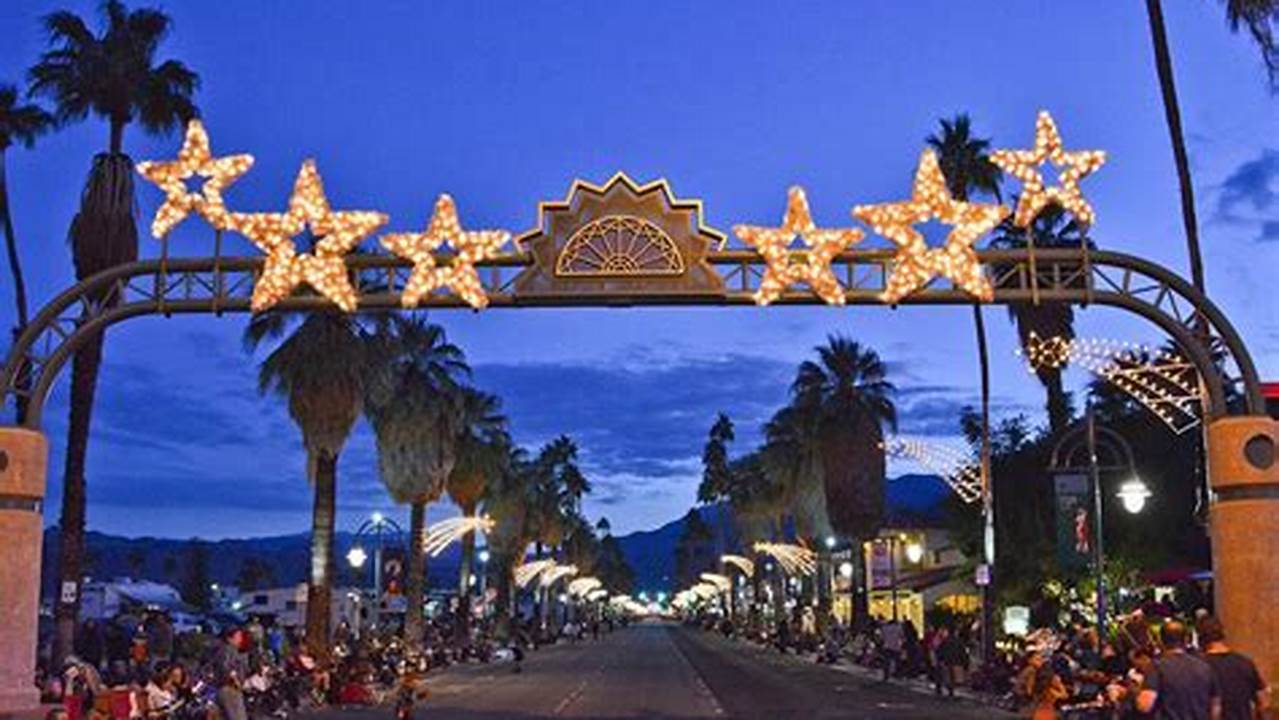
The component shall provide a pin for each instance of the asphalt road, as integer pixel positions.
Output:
(664, 671)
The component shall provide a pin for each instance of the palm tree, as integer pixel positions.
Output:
(1052, 229)
(848, 392)
(509, 497)
(414, 403)
(112, 74)
(1260, 17)
(318, 370)
(18, 124)
(483, 450)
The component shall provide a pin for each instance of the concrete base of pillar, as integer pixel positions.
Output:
(23, 456)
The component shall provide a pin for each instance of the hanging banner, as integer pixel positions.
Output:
(879, 568)
(1073, 519)
(392, 571)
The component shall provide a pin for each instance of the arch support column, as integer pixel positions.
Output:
(1244, 472)
(23, 457)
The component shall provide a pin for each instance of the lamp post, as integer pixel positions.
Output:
(378, 526)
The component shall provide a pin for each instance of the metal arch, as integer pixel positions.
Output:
(217, 285)
(1071, 441)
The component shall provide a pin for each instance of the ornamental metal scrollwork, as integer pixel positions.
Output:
(619, 246)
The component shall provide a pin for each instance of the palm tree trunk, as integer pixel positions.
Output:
(466, 570)
(1172, 114)
(23, 381)
(319, 591)
(1058, 404)
(117, 136)
(988, 494)
(84, 380)
(415, 585)
(860, 585)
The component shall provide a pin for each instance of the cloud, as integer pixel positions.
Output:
(1248, 194)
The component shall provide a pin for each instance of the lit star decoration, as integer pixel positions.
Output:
(460, 277)
(1024, 165)
(914, 263)
(324, 269)
(786, 267)
(194, 158)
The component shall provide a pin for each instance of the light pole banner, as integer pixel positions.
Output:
(880, 567)
(1073, 520)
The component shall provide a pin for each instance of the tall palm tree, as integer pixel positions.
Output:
(848, 391)
(112, 74)
(18, 124)
(414, 403)
(1054, 228)
(483, 450)
(318, 370)
(1261, 18)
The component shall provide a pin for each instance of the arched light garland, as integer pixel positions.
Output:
(552, 575)
(720, 581)
(528, 572)
(793, 559)
(915, 264)
(956, 468)
(1163, 382)
(442, 534)
(324, 269)
(706, 591)
(583, 586)
(1024, 165)
(596, 595)
(195, 158)
(739, 562)
(459, 275)
(786, 267)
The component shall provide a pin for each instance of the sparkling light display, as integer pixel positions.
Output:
(552, 575)
(597, 595)
(442, 534)
(459, 276)
(787, 267)
(324, 269)
(739, 562)
(793, 559)
(195, 158)
(1024, 165)
(720, 581)
(915, 264)
(705, 591)
(959, 470)
(528, 572)
(1163, 382)
(583, 586)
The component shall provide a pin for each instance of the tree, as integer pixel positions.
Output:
(254, 574)
(112, 74)
(692, 549)
(848, 395)
(196, 588)
(612, 567)
(1260, 17)
(136, 560)
(20, 124)
(482, 452)
(318, 371)
(416, 408)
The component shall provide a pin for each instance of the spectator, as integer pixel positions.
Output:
(892, 640)
(1048, 690)
(1244, 694)
(1180, 686)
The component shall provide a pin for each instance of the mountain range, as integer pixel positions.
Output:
(282, 560)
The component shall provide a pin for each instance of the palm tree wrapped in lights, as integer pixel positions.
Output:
(445, 532)
(792, 559)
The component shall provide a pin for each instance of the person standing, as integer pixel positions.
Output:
(1179, 686)
(230, 670)
(892, 639)
(1244, 694)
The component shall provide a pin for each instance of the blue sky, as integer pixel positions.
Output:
(503, 104)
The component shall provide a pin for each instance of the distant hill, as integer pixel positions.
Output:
(911, 499)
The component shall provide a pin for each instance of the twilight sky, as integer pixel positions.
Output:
(502, 104)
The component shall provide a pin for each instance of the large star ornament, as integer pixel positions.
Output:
(915, 264)
(1024, 165)
(324, 269)
(195, 158)
(787, 267)
(459, 276)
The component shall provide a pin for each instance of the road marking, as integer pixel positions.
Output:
(699, 682)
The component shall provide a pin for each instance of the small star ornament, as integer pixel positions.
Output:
(324, 269)
(1024, 165)
(459, 276)
(195, 158)
(915, 264)
(787, 267)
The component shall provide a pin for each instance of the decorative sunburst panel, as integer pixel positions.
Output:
(619, 246)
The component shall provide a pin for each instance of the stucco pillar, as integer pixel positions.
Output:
(1244, 473)
(23, 456)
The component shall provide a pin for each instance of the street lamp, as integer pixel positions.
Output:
(357, 557)
(378, 526)
(1133, 494)
(914, 552)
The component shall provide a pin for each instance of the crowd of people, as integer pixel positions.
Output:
(1160, 668)
(138, 668)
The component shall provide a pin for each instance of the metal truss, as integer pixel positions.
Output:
(217, 285)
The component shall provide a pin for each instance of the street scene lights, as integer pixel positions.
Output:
(1133, 494)
(356, 557)
(914, 552)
